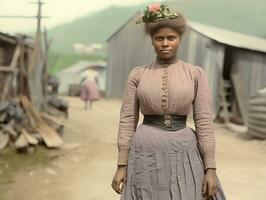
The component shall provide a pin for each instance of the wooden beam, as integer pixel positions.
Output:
(34, 54)
(10, 77)
(50, 137)
(4, 140)
(15, 57)
(7, 69)
(9, 39)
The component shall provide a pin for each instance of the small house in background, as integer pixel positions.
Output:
(235, 63)
(72, 76)
(82, 49)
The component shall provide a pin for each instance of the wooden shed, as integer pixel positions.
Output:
(23, 80)
(22, 68)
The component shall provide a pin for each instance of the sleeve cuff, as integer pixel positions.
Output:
(209, 162)
(122, 157)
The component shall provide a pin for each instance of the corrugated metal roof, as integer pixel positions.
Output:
(123, 25)
(231, 38)
(27, 40)
(82, 65)
(9, 38)
(223, 36)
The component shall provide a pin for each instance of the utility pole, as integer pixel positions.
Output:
(38, 16)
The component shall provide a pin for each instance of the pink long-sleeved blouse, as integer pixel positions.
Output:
(168, 88)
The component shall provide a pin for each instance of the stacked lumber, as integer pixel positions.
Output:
(23, 127)
(26, 118)
(59, 104)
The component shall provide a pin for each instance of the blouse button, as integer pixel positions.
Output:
(164, 105)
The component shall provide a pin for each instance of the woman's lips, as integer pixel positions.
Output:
(166, 51)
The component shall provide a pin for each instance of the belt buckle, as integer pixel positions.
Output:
(167, 120)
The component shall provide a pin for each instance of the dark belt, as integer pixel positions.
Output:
(166, 122)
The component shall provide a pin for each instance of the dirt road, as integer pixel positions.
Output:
(84, 167)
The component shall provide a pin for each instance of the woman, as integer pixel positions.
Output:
(164, 159)
(89, 91)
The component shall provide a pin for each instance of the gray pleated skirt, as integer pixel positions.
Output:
(165, 165)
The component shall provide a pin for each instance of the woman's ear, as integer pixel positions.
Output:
(152, 43)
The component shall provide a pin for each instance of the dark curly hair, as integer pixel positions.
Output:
(179, 24)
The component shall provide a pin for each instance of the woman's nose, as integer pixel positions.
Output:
(165, 42)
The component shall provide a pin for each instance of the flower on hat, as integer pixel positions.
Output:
(154, 7)
(156, 12)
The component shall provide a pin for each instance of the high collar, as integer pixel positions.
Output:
(168, 61)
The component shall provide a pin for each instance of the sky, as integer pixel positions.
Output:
(59, 11)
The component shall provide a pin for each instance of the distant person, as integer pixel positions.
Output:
(89, 91)
(164, 159)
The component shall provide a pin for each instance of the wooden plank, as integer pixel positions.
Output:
(21, 142)
(35, 53)
(10, 130)
(13, 65)
(260, 129)
(261, 116)
(258, 101)
(256, 134)
(31, 140)
(261, 109)
(6, 69)
(15, 58)
(9, 39)
(257, 122)
(52, 119)
(47, 45)
(6, 87)
(4, 140)
(50, 137)
(224, 104)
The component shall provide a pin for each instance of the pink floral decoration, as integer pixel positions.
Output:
(155, 7)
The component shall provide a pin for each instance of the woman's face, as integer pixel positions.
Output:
(166, 41)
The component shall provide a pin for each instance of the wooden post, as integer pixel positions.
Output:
(224, 104)
(12, 75)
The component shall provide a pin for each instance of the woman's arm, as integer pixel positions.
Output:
(203, 119)
(129, 116)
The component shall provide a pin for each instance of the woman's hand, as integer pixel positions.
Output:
(120, 177)
(210, 184)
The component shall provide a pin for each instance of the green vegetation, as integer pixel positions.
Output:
(93, 28)
(248, 17)
(58, 62)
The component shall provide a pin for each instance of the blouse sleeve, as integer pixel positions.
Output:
(129, 116)
(203, 119)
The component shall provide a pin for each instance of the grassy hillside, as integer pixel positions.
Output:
(245, 16)
(91, 28)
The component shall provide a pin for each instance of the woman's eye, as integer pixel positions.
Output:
(159, 38)
(171, 38)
